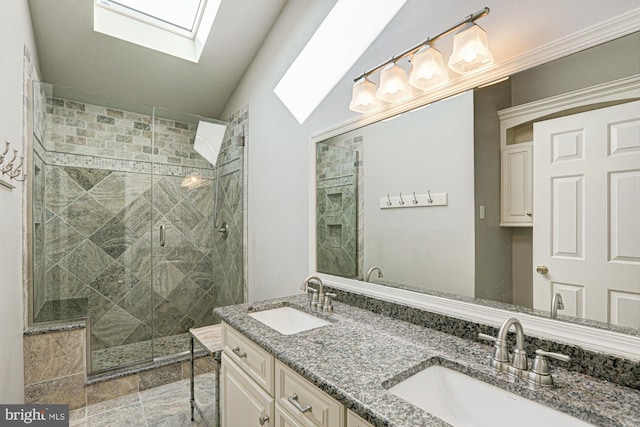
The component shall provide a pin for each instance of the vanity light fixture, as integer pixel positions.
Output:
(363, 98)
(470, 53)
(428, 69)
(393, 84)
(470, 49)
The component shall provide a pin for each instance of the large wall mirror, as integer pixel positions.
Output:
(413, 202)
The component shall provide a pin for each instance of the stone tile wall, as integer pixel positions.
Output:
(229, 254)
(340, 170)
(101, 217)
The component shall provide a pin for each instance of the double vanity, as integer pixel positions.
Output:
(286, 364)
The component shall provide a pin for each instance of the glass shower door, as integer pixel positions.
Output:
(183, 231)
(92, 221)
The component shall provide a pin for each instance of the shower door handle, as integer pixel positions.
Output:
(162, 241)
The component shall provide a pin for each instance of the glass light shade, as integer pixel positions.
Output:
(428, 69)
(470, 50)
(363, 98)
(393, 84)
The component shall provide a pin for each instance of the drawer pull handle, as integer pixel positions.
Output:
(293, 399)
(237, 352)
(263, 419)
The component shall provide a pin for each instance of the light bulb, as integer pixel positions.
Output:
(393, 84)
(470, 49)
(428, 69)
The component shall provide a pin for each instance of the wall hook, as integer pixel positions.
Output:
(389, 200)
(17, 171)
(9, 165)
(401, 200)
(429, 199)
(415, 199)
(6, 150)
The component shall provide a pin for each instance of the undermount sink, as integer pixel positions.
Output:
(464, 401)
(288, 320)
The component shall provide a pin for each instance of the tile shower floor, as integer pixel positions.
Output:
(167, 405)
(122, 355)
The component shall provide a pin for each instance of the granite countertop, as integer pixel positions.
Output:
(362, 354)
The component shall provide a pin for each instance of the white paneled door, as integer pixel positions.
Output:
(586, 227)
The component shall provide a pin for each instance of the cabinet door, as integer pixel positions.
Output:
(517, 185)
(284, 419)
(243, 402)
(353, 420)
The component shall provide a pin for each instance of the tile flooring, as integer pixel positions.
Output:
(167, 405)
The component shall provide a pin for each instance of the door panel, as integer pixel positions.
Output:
(587, 199)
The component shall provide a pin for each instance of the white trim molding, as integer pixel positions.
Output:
(589, 338)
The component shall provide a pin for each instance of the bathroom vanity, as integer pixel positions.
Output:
(344, 373)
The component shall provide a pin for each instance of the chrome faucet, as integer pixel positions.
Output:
(539, 374)
(318, 294)
(556, 305)
(371, 270)
(500, 359)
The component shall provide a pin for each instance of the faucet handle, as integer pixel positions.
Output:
(327, 307)
(314, 298)
(540, 374)
(486, 337)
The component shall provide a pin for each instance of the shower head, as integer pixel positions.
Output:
(209, 137)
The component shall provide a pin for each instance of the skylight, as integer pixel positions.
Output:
(183, 13)
(347, 31)
(175, 27)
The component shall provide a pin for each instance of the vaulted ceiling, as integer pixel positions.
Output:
(72, 55)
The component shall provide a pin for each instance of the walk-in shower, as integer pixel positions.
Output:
(125, 199)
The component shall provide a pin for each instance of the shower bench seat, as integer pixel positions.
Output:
(209, 338)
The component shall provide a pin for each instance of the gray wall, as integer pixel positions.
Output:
(509, 250)
(493, 263)
(600, 64)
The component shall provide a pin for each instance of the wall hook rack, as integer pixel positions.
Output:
(14, 173)
(419, 200)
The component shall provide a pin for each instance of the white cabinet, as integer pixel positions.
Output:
(253, 359)
(243, 402)
(284, 419)
(353, 420)
(305, 403)
(257, 390)
(517, 185)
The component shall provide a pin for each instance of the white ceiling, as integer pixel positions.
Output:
(72, 55)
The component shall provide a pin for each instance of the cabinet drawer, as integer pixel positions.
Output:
(255, 361)
(305, 402)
